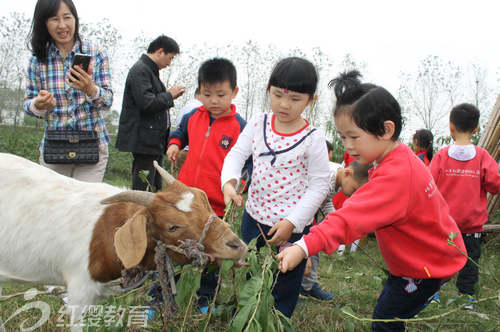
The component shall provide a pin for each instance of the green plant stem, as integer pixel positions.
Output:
(259, 294)
(212, 304)
(451, 243)
(229, 210)
(373, 260)
(188, 310)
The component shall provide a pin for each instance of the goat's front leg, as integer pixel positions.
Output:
(81, 295)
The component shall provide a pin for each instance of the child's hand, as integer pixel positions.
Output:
(290, 258)
(172, 152)
(282, 232)
(230, 193)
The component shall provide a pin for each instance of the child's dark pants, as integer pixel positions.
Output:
(402, 298)
(468, 275)
(286, 290)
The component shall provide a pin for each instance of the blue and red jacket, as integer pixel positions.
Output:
(209, 140)
(422, 154)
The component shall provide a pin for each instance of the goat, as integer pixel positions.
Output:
(55, 230)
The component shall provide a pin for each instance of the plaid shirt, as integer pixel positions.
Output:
(73, 110)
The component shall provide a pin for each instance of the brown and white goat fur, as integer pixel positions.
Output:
(55, 231)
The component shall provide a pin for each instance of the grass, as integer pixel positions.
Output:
(354, 279)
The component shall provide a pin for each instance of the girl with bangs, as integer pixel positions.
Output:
(290, 170)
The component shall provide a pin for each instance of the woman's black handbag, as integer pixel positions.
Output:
(71, 147)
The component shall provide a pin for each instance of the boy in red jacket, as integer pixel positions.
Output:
(464, 173)
(210, 130)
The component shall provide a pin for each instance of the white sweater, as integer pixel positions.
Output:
(289, 184)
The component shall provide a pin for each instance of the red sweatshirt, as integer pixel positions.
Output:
(209, 143)
(464, 184)
(410, 218)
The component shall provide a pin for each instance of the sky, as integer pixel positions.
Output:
(389, 36)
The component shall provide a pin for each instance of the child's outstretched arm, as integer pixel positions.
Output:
(290, 258)
(234, 162)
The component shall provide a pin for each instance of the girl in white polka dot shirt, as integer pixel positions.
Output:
(290, 175)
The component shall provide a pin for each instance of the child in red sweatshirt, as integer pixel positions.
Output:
(400, 203)
(464, 173)
(422, 145)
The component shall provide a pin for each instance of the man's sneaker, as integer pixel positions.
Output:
(436, 298)
(317, 292)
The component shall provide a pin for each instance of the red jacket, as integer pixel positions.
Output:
(464, 185)
(208, 146)
(410, 218)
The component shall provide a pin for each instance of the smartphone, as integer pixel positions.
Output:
(82, 60)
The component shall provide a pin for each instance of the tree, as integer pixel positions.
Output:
(250, 58)
(320, 111)
(347, 64)
(480, 93)
(429, 94)
(110, 120)
(104, 35)
(13, 61)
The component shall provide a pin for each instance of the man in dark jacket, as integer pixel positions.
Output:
(145, 119)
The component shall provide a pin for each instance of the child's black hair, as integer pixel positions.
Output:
(360, 171)
(168, 45)
(329, 146)
(295, 74)
(465, 117)
(424, 139)
(369, 105)
(217, 70)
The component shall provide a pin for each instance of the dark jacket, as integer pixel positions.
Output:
(144, 119)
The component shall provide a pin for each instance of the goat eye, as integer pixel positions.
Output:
(173, 228)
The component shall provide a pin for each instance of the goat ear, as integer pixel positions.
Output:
(131, 241)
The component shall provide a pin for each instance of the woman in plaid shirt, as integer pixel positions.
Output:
(67, 98)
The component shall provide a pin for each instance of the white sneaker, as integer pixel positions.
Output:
(354, 245)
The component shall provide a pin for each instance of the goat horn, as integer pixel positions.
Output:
(144, 198)
(169, 179)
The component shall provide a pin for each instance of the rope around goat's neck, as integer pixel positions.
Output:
(189, 248)
(166, 270)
